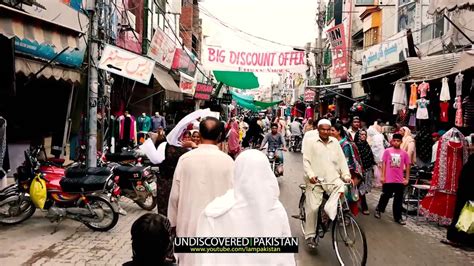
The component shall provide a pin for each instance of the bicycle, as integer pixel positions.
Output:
(346, 232)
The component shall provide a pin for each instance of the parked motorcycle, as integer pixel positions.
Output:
(77, 193)
(15, 207)
(137, 183)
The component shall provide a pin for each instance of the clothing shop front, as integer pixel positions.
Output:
(40, 77)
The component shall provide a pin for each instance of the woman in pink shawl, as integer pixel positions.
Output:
(233, 140)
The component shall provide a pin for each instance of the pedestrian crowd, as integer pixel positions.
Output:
(211, 184)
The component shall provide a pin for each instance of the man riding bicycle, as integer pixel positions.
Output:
(275, 140)
(324, 162)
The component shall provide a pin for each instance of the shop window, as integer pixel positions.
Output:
(329, 12)
(371, 37)
(432, 27)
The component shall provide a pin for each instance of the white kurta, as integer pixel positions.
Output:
(251, 209)
(201, 175)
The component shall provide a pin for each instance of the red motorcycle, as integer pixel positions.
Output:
(76, 193)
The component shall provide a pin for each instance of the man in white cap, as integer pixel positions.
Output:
(325, 168)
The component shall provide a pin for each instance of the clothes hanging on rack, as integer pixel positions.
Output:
(127, 128)
(412, 121)
(309, 113)
(468, 108)
(438, 205)
(444, 107)
(402, 117)
(399, 99)
(458, 80)
(445, 95)
(458, 118)
(423, 89)
(413, 96)
(422, 111)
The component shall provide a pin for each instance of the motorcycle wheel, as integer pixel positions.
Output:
(16, 214)
(148, 204)
(96, 202)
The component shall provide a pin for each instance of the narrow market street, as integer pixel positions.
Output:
(31, 243)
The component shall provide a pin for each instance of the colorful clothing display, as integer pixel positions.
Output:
(127, 128)
(459, 79)
(423, 89)
(444, 95)
(422, 111)
(444, 106)
(413, 96)
(439, 203)
(309, 113)
(399, 99)
(458, 118)
(468, 107)
(144, 123)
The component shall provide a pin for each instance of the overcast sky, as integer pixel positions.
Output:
(284, 21)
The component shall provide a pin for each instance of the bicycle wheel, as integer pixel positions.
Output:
(349, 241)
(302, 213)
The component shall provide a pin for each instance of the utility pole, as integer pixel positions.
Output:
(93, 88)
(319, 53)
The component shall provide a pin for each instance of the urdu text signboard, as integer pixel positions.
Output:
(203, 92)
(309, 95)
(252, 61)
(183, 63)
(162, 49)
(391, 51)
(186, 85)
(336, 36)
(126, 64)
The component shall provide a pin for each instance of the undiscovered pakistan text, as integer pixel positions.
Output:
(236, 241)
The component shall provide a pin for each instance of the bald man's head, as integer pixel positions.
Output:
(210, 129)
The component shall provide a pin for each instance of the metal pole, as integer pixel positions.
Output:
(93, 87)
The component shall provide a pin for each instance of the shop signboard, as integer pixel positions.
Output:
(203, 92)
(185, 62)
(255, 61)
(226, 98)
(186, 85)
(309, 95)
(126, 64)
(337, 39)
(162, 49)
(391, 51)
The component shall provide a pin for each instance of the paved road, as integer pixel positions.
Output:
(32, 243)
(388, 242)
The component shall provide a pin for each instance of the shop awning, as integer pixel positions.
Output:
(438, 6)
(265, 105)
(165, 80)
(466, 61)
(432, 67)
(248, 102)
(29, 67)
(240, 80)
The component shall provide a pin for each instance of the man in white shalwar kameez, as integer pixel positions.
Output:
(325, 168)
(251, 209)
(201, 175)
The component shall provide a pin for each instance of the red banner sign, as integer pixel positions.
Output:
(186, 86)
(183, 62)
(203, 92)
(336, 36)
(309, 95)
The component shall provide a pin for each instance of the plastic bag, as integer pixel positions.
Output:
(38, 192)
(466, 219)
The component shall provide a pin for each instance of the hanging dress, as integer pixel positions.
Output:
(458, 80)
(399, 99)
(423, 89)
(438, 205)
(422, 111)
(444, 95)
(458, 121)
(444, 106)
(413, 96)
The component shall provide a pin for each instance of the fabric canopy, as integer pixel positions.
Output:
(246, 101)
(266, 105)
(240, 80)
(30, 67)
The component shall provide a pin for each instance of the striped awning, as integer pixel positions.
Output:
(30, 67)
(432, 67)
(15, 27)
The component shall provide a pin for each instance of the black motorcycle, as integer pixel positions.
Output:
(295, 144)
(137, 183)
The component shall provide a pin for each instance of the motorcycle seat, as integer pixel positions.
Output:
(118, 157)
(85, 183)
(129, 171)
(76, 172)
